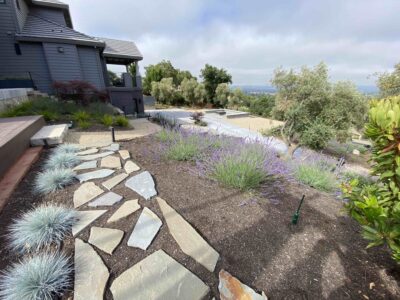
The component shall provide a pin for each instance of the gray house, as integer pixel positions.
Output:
(39, 45)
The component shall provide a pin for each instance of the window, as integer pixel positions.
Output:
(19, 7)
(2, 1)
(17, 49)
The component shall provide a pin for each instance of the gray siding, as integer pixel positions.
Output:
(52, 14)
(63, 66)
(91, 66)
(21, 13)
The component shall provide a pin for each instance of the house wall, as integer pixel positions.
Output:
(52, 14)
(21, 13)
(91, 67)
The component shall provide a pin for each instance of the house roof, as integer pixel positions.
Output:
(39, 29)
(51, 3)
(121, 49)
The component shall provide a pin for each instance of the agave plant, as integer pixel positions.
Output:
(52, 180)
(41, 227)
(44, 277)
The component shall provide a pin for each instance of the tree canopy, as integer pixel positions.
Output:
(212, 77)
(389, 82)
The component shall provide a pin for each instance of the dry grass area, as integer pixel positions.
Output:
(255, 123)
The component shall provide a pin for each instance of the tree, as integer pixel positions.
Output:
(313, 108)
(115, 80)
(155, 73)
(181, 75)
(262, 105)
(164, 91)
(389, 82)
(212, 77)
(200, 94)
(237, 99)
(222, 94)
(376, 206)
(192, 91)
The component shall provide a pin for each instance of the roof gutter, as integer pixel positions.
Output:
(40, 39)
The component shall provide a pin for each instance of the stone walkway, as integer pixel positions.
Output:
(158, 276)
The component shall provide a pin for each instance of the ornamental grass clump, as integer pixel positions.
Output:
(52, 180)
(62, 160)
(316, 171)
(45, 277)
(40, 228)
(67, 148)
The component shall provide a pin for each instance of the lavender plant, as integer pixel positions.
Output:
(52, 180)
(44, 277)
(41, 227)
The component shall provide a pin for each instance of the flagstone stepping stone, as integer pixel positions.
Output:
(188, 239)
(143, 184)
(131, 167)
(158, 276)
(145, 230)
(112, 147)
(85, 193)
(94, 175)
(91, 275)
(112, 182)
(105, 239)
(108, 199)
(230, 288)
(89, 151)
(126, 209)
(86, 165)
(124, 154)
(111, 162)
(85, 218)
(96, 156)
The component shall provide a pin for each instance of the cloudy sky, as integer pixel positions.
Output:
(250, 38)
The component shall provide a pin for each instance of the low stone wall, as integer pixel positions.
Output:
(11, 97)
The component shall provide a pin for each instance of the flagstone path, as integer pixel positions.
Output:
(158, 276)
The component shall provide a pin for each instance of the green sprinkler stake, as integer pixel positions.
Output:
(296, 216)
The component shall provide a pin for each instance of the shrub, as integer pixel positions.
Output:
(107, 120)
(62, 160)
(84, 124)
(52, 180)
(81, 116)
(121, 121)
(82, 92)
(377, 206)
(167, 135)
(316, 171)
(67, 148)
(44, 277)
(362, 180)
(185, 148)
(317, 135)
(40, 228)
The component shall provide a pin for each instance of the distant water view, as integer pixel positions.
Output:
(265, 89)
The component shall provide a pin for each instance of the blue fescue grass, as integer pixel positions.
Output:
(62, 160)
(40, 228)
(52, 180)
(67, 148)
(45, 277)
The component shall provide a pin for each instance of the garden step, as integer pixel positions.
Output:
(126, 209)
(131, 167)
(143, 184)
(108, 199)
(105, 239)
(85, 193)
(50, 135)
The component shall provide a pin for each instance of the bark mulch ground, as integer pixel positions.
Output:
(323, 257)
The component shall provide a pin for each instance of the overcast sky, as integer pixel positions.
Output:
(250, 38)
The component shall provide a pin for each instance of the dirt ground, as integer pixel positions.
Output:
(254, 123)
(323, 257)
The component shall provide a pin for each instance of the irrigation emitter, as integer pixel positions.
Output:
(296, 216)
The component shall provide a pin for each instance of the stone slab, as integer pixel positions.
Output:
(112, 182)
(126, 209)
(98, 174)
(145, 230)
(85, 193)
(111, 162)
(86, 165)
(124, 154)
(108, 199)
(105, 239)
(113, 147)
(50, 135)
(131, 167)
(160, 277)
(143, 184)
(85, 218)
(88, 151)
(230, 288)
(188, 239)
(91, 275)
(96, 156)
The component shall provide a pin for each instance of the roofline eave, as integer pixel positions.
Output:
(122, 56)
(39, 39)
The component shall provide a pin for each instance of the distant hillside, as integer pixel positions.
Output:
(265, 89)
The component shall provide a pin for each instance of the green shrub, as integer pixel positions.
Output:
(362, 180)
(81, 116)
(317, 135)
(185, 148)
(84, 124)
(107, 120)
(377, 206)
(316, 177)
(41, 228)
(121, 121)
(167, 136)
(45, 277)
(52, 180)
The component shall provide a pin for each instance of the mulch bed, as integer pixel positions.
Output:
(323, 256)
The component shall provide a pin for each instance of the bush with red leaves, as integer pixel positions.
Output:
(82, 92)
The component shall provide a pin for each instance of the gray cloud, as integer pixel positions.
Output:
(251, 38)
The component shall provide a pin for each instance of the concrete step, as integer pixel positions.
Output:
(50, 135)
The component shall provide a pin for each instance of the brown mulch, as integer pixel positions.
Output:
(323, 257)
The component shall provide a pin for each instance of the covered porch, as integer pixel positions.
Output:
(127, 95)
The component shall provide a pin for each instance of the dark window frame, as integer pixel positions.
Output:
(17, 48)
(18, 5)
